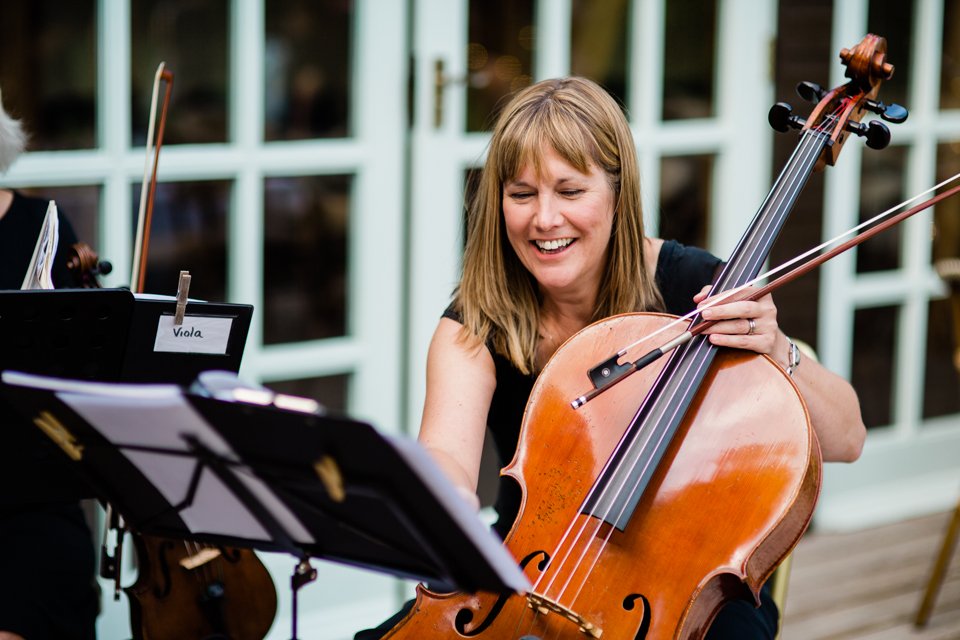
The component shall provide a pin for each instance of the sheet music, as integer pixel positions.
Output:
(485, 540)
(39, 273)
(158, 415)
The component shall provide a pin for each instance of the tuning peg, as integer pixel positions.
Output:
(876, 133)
(894, 113)
(810, 91)
(781, 117)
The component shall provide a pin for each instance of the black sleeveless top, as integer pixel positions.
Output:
(681, 273)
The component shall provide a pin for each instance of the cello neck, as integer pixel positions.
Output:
(754, 246)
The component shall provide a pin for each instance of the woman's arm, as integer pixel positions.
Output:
(832, 402)
(461, 379)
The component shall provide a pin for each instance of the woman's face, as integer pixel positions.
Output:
(559, 224)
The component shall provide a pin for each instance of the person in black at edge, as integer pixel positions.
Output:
(47, 568)
(555, 241)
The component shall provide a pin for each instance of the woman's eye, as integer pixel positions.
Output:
(571, 193)
(520, 195)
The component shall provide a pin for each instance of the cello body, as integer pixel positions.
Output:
(731, 498)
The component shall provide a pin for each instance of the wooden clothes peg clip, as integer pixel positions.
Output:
(183, 290)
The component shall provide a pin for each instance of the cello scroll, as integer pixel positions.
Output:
(840, 111)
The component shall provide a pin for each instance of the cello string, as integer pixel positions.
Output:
(807, 147)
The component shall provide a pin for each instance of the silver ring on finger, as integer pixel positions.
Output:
(753, 326)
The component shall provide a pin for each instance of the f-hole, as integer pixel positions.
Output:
(629, 604)
(465, 615)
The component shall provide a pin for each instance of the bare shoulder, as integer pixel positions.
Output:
(450, 347)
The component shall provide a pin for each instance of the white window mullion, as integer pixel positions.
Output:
(436, 196)
(245, 231)
(841, 204)
(645, 99)
(113, 138)
(377, 225)
(553, 19)
(744, 82)
(924, 104)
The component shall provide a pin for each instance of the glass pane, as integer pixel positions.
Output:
(306, 222)
(941, 389)
(685, 199)
(499, 56)
(48, 70)
(689, 58)
(330, 391)
(950, 58)
(946, 236)
(598, 47)
(943, 329)
(308, 55)
(894, 21)
(191, 39)
(188, 233)
(873, 363)
(881, 187)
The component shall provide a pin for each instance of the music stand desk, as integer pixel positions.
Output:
(180, 465)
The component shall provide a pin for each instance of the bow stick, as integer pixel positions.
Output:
(610, 372)
(145, 213)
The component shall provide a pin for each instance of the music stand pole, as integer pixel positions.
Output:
(303, 573)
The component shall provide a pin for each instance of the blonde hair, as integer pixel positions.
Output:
(12, 138)
(498, 299)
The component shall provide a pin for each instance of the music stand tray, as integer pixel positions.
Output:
(181, 465)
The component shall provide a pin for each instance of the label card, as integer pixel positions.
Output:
(197, 334)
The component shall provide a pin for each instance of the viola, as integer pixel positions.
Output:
(649, 507)
(183, 589)
(87, 265)
(190, 590)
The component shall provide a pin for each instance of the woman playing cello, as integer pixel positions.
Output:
(555, 243)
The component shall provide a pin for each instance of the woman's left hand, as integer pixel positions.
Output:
(745, 324)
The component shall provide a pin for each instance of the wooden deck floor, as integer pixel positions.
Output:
(867, 585)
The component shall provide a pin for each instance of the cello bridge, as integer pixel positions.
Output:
(544, 605)
(200, 558)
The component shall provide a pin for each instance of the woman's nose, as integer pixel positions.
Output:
(548, 214)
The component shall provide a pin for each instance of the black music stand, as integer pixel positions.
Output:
(107, 335)
(247, 475)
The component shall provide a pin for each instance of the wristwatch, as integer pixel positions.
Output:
(793, 359)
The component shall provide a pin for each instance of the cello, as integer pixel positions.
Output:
(648, 508)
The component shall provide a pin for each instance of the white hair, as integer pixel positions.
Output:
(12, 138)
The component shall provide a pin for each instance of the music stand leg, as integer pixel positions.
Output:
(303, 574)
